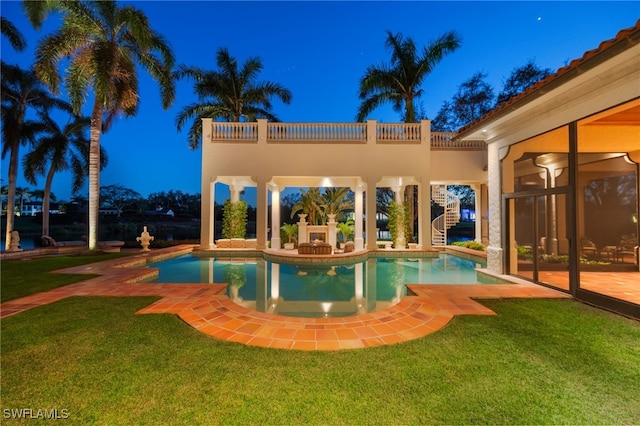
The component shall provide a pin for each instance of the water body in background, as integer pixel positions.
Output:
(27, 243)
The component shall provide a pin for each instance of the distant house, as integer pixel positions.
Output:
(32, 208)
(160, 212)
(109, 212)
(29, 208)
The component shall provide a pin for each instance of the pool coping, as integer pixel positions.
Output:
(206, 308)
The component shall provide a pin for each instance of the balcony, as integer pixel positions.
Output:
(336, 133)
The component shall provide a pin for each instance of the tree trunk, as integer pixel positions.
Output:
(11, 193)
(46, 197)
(94, 174)
(14, 141)
(410, 113)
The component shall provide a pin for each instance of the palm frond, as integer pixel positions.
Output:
(15, 37)
(399, 81)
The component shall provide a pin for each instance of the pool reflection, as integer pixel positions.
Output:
(313, 291)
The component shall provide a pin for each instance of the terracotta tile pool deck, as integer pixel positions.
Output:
(206, 308)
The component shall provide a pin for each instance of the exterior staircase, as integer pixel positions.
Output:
(448, 219)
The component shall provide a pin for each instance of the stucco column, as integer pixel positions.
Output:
(371, 213)
(424, 189)
(424, 215)
(275, 217)
(302, 228)
(495, 262)
(261, 213)
(484, 216)
(331, 230)
(235, 191)
(207, 216)
(478, 210)
(359, 207)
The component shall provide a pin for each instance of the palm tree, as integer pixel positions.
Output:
(311, 204)
(21, 91)
(18, 42)
(103, 43)
(229, 94)
(400, 81)
(15, 37)
(60, 149)
(23, 193)
(336, 201)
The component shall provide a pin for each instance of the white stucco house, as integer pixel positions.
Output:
(555, 170)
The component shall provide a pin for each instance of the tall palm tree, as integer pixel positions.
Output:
(103, 43)
(60, 149)
(21, 91)
(18, 42)
(399, 82)
(336, 201)
(229, 94)
(311, 204)
(13, 35)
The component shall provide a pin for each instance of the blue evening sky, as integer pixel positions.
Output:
(319, 50)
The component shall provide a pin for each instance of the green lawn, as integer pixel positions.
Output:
(29, 276)
(537, 362)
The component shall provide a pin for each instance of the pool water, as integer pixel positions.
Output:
(319, 290)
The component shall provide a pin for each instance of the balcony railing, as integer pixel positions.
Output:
(229, 132)
(403, 133)
(317, 132)
(350, 133)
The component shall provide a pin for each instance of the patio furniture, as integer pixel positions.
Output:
(349, 246)
(611, 252)
(588, 251)
(322, 248)
(305, 248)
(315, 248)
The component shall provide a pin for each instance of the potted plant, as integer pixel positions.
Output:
(289, 231)
(346, 231)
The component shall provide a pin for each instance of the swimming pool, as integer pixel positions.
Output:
(319, 290)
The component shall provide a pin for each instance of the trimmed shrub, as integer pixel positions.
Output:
(473, 245)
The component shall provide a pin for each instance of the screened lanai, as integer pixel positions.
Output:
(563, 162)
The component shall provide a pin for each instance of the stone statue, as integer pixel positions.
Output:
(145, 239)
